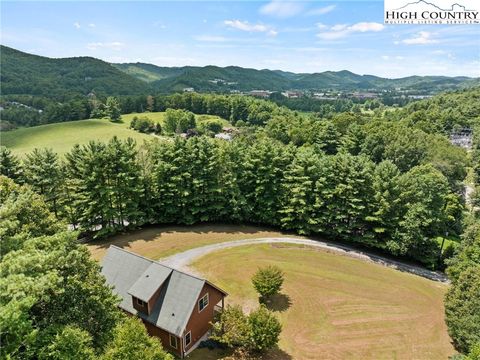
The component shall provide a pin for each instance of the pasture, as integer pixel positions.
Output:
(331, 306)
(62, 136)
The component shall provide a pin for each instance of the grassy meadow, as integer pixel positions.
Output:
(62, 136)
(336, 306)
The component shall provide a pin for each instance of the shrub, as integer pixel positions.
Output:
(257, 332)
(264, 330)
(232, 328)
(145, 125)
(268, 281)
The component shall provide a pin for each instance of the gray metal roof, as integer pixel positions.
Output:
(149, 282)
(178, 297)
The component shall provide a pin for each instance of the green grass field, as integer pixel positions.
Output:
(62, 136)
(336, 306)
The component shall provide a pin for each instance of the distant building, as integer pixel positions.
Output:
(365, 95)
(176, 307)
(188, 89)
(223, 136)
(260, 93)
(292, 94)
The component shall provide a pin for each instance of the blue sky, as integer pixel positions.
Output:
(296, 36)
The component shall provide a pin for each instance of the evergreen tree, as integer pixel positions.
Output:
(9, 164)
(112, 109)
(42, 173)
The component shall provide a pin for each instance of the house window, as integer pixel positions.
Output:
(203, 302)
(188, 338)
(173, 341)
(140, 302)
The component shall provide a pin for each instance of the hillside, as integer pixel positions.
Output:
(237, 78)
(60, 79)
(24, 73)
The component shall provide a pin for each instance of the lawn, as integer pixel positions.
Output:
(336, 307)
(156, 242)
(62, 136)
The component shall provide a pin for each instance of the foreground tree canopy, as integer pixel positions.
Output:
(54, 304)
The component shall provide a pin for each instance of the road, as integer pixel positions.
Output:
(181, 261)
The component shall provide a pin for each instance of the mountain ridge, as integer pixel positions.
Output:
(30, 74)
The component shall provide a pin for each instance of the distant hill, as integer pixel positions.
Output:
(26, 74)
(214, 78)
(23, 73)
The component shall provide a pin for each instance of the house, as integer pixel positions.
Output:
(260, 93)
(223, 136)
(176, 307)
(292, 94)
(188, 89)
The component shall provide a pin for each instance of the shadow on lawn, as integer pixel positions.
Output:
(151, 232)
(279, 302)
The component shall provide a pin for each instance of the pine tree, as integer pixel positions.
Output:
(112, 109)
(10, 165)
(42, 172)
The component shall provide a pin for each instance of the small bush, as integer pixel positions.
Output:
(268, 281)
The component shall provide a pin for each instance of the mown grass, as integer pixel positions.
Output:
(157, 242)
(336, 307)
(62, 136)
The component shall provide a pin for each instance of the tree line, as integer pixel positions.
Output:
(255, 179)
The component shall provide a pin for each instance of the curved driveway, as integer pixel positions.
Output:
(182, 260)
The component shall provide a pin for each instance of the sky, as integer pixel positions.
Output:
(297, 36)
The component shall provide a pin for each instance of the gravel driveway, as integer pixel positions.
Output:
(182, 260)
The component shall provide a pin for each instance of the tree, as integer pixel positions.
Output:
(57, 284)
(264, 330)
(70, 343)
(131, 341)
(9, 164)
(23, 214)
(232, 328)
(178, 121)
(42, 173)
(150, 103)
(462, 309)
(112, 109)
(268, 281)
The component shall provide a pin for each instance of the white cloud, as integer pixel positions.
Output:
(422, 38)
(282, 9)
(385, 57)
(92, 25)
(246, 26)
(322, 10)
(210, 38)
(115, 45)
(77, 25)
(342, 30)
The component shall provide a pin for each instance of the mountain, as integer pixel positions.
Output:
(214, 78)
(23, 73)
(27, 74)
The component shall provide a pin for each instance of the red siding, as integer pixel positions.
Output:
(199, 322)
